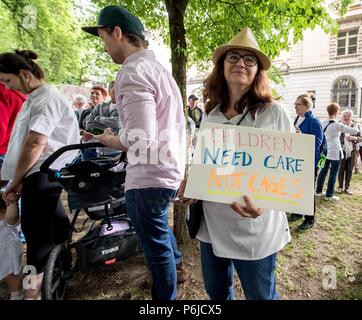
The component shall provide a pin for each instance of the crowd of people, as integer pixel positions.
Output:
(142, 114)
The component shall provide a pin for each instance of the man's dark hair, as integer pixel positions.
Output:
(132, 38)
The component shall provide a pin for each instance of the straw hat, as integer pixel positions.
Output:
(245, 39)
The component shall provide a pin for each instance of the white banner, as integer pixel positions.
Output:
(275, 169)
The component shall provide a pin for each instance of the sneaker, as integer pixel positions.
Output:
(339, 189)
(182, 276)
(306, 225)
(320, 194)
(348, 192)
(294, 217)
(335, 198)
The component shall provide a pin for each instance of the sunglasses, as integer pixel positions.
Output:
(248, 59)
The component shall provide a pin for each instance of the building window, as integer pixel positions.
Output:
(347, 42)
(344, 93)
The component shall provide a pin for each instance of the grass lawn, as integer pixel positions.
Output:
(321, 263)
(325, 262)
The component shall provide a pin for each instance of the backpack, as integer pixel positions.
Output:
(324, 148)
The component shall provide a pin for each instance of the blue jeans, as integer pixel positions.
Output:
(334, 165)
(257, 277)
(148, 210)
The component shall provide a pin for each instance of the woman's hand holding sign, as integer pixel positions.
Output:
(180, 195)
(249, 210)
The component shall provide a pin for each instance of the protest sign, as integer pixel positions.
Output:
(275, 169)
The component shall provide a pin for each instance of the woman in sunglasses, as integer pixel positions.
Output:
(238, 236)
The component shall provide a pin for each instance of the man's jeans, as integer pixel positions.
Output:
(148, 210)
(334, 164)
(257, 277)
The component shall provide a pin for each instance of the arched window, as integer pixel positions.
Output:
(344, 93)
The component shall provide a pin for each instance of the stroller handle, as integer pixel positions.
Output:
(79, 146)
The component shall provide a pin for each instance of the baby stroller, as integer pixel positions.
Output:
(96, 187)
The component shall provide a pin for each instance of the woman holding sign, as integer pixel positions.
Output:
(241, 235)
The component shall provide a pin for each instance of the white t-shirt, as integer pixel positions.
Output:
(332, 135)
(236, 237)
(47, 112)
(299, 121)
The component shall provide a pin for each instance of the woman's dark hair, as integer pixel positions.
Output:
(20, 60)
(216, 91)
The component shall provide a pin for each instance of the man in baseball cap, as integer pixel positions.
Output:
(194, 112)
(151, 115)
(113, 16)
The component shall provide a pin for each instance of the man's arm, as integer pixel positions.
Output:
(107, 138)
(346, 129)
(110, 120)
(90, 120)
(139, 110)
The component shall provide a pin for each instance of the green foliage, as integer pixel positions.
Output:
(212, 23)
(69, 55)
(47, 27)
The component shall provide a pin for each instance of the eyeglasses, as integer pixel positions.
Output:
(248, 59)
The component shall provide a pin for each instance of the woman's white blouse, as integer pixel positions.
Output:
(332, 135)
(47, 112)
(236, 237)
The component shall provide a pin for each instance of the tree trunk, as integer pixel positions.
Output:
(176, 14)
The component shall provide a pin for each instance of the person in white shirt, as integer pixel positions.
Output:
(241, 236)
(332, 131)
(350, 149)
(45, 123)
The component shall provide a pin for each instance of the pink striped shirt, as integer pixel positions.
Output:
(152, 123)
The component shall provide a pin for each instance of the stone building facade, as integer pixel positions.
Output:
(327, 65)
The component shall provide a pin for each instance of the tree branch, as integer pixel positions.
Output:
(207, 13)
(233, 5)
(7, 4)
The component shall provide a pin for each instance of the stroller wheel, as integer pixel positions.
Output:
(56, 273)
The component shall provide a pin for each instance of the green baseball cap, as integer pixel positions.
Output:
(113, 16)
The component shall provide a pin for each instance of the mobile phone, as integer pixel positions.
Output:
(95, 131)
